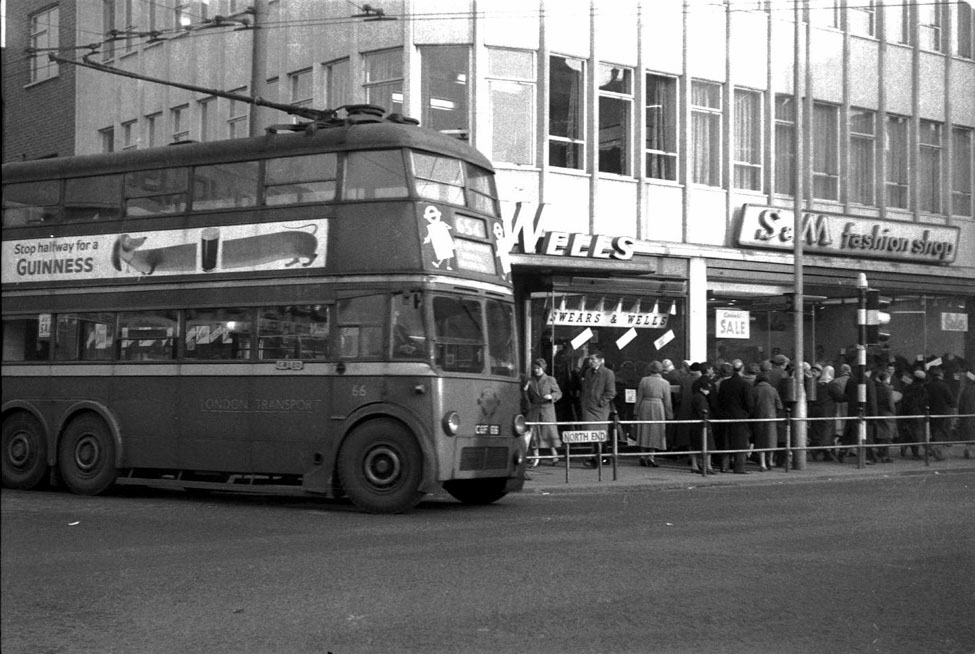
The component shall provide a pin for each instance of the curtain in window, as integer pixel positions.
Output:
(706, 133)
(661, 115)
(897, 162)
(961, 184)
(748, 140)
(929, 180)
(785, 155)
(862, 157)
(825, 144)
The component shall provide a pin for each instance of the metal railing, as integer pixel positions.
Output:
(596, 451)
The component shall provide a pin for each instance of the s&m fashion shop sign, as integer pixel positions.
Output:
(849, 236)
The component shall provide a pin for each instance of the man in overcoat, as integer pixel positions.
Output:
(598, 391)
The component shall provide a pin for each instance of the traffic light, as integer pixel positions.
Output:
(876, 318)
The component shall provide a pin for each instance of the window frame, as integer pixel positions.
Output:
(756, 151)
(43, 36)
(669, 130)
(624, 99)
(825, 165)
(574, 144)
(497, 78)
(961, 171)
(868, 142)
(897, 163)
(703, 172)
(930, 179)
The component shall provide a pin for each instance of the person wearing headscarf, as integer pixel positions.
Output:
(541, 392)
(703, 403)
(653, 404)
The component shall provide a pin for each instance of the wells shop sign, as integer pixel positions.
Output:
(848, 236)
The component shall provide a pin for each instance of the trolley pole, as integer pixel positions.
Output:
(861, 369)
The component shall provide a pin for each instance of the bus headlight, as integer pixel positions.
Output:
(451, 423)
(518, 426)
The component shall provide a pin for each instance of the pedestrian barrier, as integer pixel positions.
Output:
(862, 448)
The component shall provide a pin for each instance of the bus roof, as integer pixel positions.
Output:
(363, 136)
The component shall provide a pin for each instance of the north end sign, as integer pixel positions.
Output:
(849, 236)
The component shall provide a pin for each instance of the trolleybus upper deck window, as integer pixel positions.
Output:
(438, 178)
(30, 203)
(310, 178)
(225, 185)
(375, 175)
(150, 192)
(92, 198)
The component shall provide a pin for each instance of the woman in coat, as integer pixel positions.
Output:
(703, 403)
(653, 403)
(541, 392)
(768, 404)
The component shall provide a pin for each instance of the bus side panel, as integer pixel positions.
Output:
(373, 237)
(260, 424)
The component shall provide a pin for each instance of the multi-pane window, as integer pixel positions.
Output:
(897, 21)
(384, 80)
(863, 142)
(225, 185)
(511, 85)
(360, 326)
(309, 178)
(43, 37)
(826, 152)
(209, 120)
(897, 154)
(785, 144)
(566, 113)
(108, 29)
(929, 165)
(615, 111)
(107, 138)
(300, 90)
(445, 88)
(128, 24)
(964, 38)
(179, 118)
(706, 133)
(237, 116)
(153, 130)
(861, 17)
(661, 117)
(930, 20)
(129, 139)
(961, 171)
(338, 84)
(748, 140)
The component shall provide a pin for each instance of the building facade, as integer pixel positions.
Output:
(652, 155)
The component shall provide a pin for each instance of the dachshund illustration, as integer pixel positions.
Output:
(170, 259)
(294, 244)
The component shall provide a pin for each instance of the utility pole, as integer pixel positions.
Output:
(798, 306)
(258, 66)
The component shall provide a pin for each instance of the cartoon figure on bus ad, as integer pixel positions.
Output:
(438, 235)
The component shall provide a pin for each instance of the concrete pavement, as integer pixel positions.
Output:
(675, 473)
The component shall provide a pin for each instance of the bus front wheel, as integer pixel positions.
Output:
(476, 491)
(380, 467)
(86, 458)
(24, 452)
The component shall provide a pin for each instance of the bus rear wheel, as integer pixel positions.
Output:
(380, 467)
(24, 452)
(86, 458)
(476, 491)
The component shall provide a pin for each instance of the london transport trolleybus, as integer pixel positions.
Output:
(326, 310)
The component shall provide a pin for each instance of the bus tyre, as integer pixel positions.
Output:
(476, 491)
(380, 467)
(24, 452)
(86, 458)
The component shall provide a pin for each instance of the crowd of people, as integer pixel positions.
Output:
(745, 405)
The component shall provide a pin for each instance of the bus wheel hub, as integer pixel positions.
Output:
(382, 466)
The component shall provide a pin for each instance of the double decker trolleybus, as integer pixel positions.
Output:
(327, 309)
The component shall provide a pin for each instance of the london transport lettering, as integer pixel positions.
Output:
(849, 235)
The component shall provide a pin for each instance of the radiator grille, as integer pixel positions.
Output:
(484, 458)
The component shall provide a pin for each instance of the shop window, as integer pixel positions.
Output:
(929, 180)
(785, 145)
(292, 180)
(294, 332)
(566, 113)
(661, 117)
(511, 86)
(826, 152)
(897, 153)
(863, 142)
(961, 184)
(384, 79)
(748, 140)
(445, 88)
(27, 339)
(85, 337)
(706, 133)
(615, 110)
